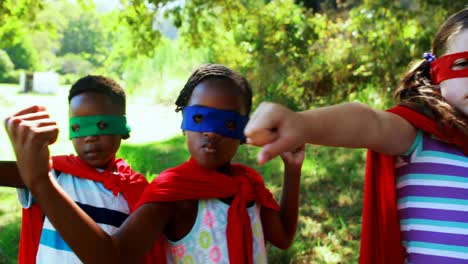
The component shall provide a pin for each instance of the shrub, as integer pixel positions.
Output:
(6, 67)
(74, 64)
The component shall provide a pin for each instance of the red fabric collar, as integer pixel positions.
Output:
(380, 235)
(428, 125)
(119, 178)
(190, 181)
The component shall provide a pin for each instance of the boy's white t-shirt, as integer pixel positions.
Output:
(107, 210)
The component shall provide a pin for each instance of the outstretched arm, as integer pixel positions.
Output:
(350, 125)
(89, 242)
(280, 227)
(9, 175)
(30, 132)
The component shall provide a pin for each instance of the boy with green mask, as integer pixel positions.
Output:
(106, 188)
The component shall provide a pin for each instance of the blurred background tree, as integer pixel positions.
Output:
(301, 53)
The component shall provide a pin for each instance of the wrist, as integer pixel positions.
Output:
(293, 168)
(303, 118)
(40, 184)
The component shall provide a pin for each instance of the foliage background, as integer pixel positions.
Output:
(303, 53)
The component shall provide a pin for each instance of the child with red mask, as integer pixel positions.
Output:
(415, 192)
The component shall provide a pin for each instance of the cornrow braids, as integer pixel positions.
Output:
(99, 84)
(214, 71)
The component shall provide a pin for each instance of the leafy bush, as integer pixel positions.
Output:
(23, 55)
(162, 76)
(74, 64)
(299, 57)
(6, 67)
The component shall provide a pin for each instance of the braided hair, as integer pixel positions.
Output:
(214, 72)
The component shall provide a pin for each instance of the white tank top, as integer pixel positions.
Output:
(206, 242)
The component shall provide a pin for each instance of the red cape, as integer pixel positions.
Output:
(380, 235)
(190, 181)
(124, 180)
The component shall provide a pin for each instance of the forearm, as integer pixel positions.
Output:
(355, 125)
(9, 175)
(89, 242)
(289, 204)
(336, 125)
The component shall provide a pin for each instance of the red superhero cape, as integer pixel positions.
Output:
(118, 177)
(380, 235)
(190, 181)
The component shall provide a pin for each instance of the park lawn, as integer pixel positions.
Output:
(331, 184)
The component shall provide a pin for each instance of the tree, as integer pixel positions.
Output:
(297, 56)
(6, 67)
(83, 35)
(14, 16)
(293, 52)
(17, 17)
(23, 55)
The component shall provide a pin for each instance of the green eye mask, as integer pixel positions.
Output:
(82, 126)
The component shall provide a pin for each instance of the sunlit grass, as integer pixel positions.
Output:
(152, 158)
(10, 216)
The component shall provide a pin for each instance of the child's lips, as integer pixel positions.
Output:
(92, 153)
(209, 148)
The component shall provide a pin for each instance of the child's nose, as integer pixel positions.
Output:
(91, 138)
(210, 134)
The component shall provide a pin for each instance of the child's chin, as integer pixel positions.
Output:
(205, 163)
(211, 164)
(95, 163)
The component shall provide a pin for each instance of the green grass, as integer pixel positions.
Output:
(10, 218)
(9, 242)
(152, 158)
(331, 183)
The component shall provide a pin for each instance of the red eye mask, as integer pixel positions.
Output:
(441, 68)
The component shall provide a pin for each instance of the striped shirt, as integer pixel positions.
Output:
(432, 199)
(107, 210)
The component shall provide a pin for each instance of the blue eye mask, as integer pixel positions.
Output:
(206, 119)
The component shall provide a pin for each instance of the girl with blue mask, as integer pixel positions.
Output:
(215, 104)
(206, 210)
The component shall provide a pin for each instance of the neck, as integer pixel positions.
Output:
(106, 166)
(225, 169)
